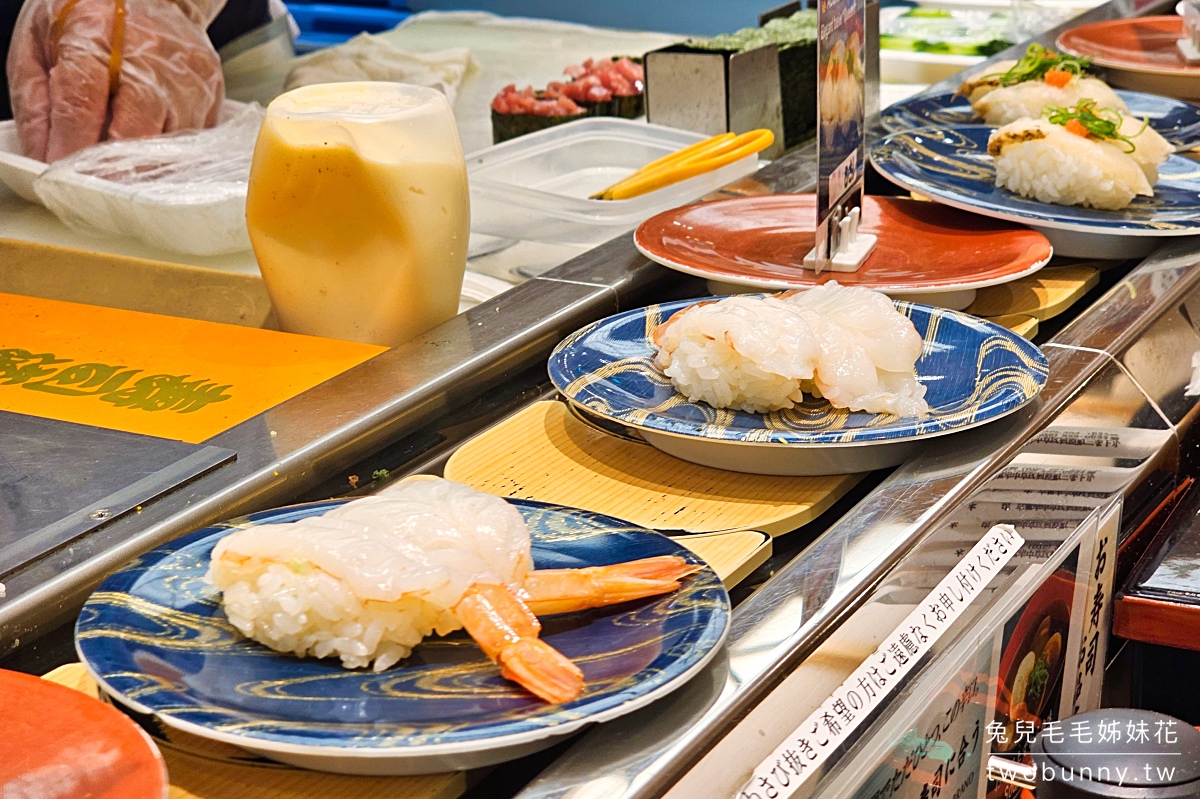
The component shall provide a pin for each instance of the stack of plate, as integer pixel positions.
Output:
(935, 150)
(1137, 53)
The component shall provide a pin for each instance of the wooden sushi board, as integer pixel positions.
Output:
(732, 555)
(546, 453)
(1042, 295)
(1020, 324)
(207, 773)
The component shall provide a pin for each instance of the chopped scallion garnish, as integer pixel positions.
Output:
(1037, 61)
(1100, 123)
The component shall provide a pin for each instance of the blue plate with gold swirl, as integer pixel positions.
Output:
(951, 165)
(973, 371)
(155, 638)
(1176, 121)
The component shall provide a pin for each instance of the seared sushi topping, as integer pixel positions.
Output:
(1084, 119)
(1038, 63)
(1002, 139)
(969, 86)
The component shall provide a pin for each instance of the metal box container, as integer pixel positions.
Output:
(713, 92)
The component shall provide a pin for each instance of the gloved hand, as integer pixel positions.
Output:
(83, 71)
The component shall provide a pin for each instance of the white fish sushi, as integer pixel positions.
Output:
(1036, 158)
(1010, 90)
(368, 580)
(849, 345)
(1006, 104)
(1150, 149)
(976, 87)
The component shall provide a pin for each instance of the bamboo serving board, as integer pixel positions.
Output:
(1042, 295)
(546, 453)
(208, 772)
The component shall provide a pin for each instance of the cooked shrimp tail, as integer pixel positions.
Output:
(542, 670)
(507, 632)
(552, 591)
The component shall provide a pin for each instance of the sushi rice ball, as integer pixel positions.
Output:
(1079, 156)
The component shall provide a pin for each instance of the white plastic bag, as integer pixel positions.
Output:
(367, 57)
(184, 192)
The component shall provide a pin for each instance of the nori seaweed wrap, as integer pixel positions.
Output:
(796, 40)
(510, 126)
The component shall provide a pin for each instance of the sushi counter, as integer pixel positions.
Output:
(888, 610)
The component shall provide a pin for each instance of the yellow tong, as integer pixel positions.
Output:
(695, 159)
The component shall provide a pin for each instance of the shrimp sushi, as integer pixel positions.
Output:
(867, 350)
(368, 580)
(1079, 156)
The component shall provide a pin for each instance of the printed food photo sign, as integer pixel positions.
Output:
(1029, 662)
(1051, 651)
(1033, 645)
(840, 106)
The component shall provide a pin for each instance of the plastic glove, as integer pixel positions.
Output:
(83, 71)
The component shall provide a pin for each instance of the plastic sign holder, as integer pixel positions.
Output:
(853, 247)
(802, 753)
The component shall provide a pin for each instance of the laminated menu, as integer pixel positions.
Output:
(156, 375)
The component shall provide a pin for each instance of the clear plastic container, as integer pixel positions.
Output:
(536, 187)
(16, 171)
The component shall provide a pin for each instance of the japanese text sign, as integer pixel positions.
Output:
(804, 751)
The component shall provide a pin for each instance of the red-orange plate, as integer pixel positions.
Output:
(760, 242)
(1142, 44)
(60, 742)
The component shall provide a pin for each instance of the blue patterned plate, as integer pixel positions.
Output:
(156, 639)
(951, 166)
(973, 371)
(1176, 121)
